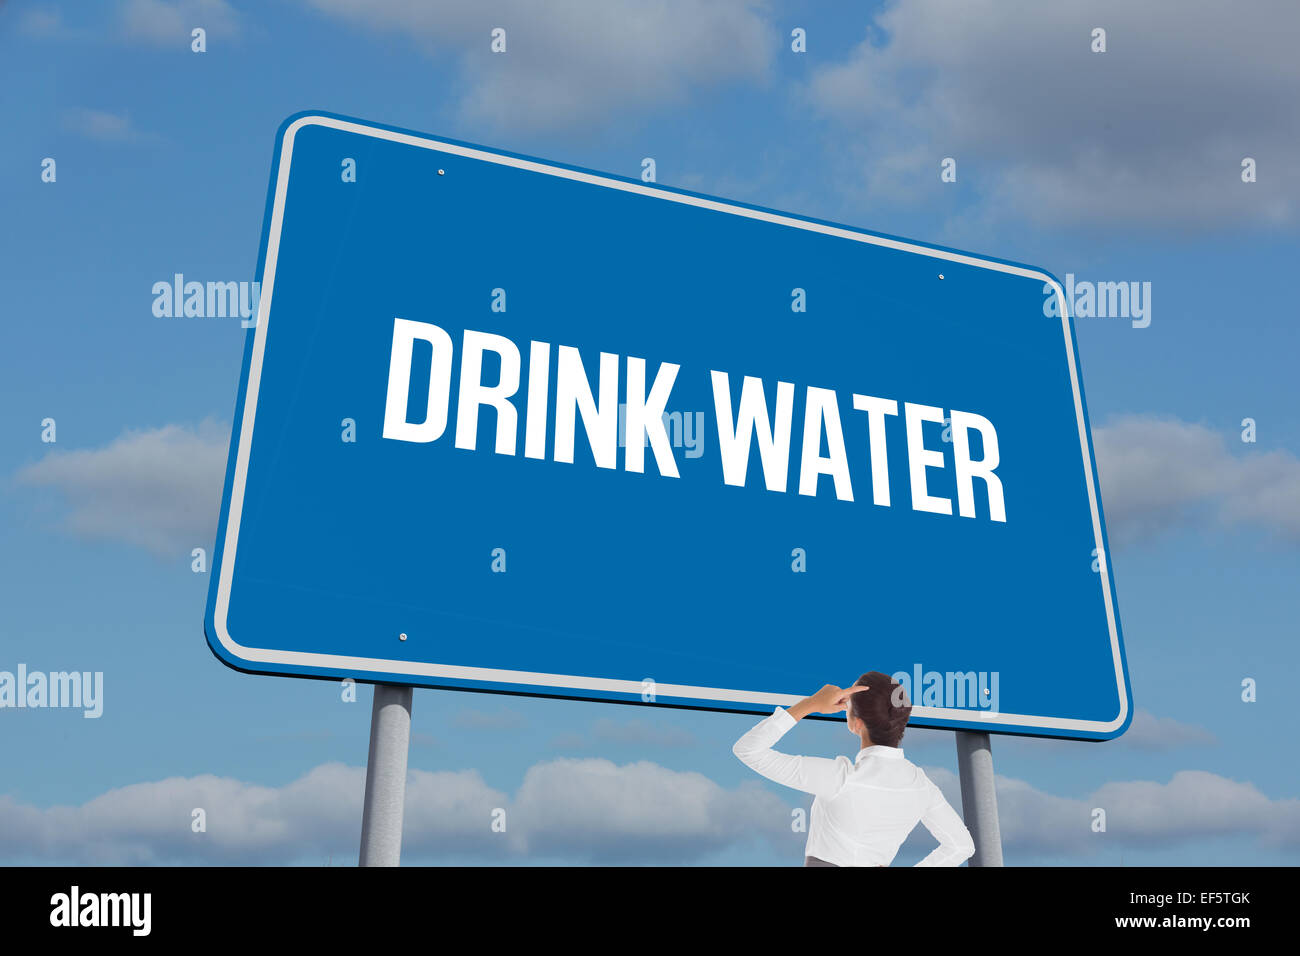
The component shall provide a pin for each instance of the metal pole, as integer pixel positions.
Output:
(390, 739)
(979, 799)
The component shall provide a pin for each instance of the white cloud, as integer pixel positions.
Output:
(579, 810)
(576, 62)
(1147, 733)
(41, 21)
(100, 124)
(487, 720)
(158, 488)
(587, 811)
(1193, 806)
(1152, 131)
(595, 811)
(311, 818)
(1152, 733)
(166, 23)
(633, 733)
(1157, 474)
(640, 733)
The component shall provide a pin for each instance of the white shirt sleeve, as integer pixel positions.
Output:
(816, 775)
(955, 843)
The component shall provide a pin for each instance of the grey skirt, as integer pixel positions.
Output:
(813, 861)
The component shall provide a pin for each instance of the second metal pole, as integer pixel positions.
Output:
(979, 799)
(390, 740)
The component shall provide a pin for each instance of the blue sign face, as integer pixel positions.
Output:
(513, 426)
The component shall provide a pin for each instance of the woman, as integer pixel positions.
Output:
(865, 807)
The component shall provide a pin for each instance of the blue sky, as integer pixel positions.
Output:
(1115, 166)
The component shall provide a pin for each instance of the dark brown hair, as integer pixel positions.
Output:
(883, 707)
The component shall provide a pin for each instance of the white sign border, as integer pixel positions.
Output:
(568, 681)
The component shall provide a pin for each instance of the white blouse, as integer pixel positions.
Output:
(864, 808)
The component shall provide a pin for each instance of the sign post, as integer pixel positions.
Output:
(390, 739)
(979, 799)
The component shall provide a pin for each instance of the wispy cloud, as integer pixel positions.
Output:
(169, 22)
(571, 63)
(1151, 733)
(40, 21)
(1158, 474)
(1151, 132)
(486, 720)
(630, 733)
(1147, 733)
(102, 125)
(159, 489)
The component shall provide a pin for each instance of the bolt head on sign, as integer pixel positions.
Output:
(603, 379)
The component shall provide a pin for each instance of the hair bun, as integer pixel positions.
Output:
(883, 707)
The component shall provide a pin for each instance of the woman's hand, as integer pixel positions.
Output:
(829, 700)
